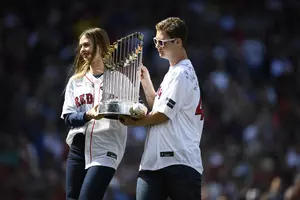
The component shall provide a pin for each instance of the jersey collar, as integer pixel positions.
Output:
(90, 77)
(182, 62)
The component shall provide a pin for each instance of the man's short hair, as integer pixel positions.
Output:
(175, 28)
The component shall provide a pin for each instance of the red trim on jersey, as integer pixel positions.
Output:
(92, 126)
(99, 91)
(89, 79)
(94, 120)
(91, 140)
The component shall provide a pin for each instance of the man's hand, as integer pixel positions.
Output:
(94, 113)
(138, 110)
(147, 86)
(145, 75)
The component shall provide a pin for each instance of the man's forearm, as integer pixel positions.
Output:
(152, 119)
(149, 92)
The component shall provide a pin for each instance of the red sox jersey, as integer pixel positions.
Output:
(105, 139)
(177, 140)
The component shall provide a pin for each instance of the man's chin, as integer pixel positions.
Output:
(161, 54)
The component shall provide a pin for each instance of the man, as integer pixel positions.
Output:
(171, 165)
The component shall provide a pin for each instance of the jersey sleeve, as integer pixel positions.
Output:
(174, 96)
(69, 105)
(75, 119)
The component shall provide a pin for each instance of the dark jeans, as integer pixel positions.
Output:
(179, 182)
(85, 184)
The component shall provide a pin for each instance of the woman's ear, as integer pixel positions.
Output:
(99, 49)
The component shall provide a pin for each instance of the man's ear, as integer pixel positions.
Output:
(178, 41)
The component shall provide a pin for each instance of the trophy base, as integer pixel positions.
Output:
(114, 109)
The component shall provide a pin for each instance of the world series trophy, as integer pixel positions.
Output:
(121, 79)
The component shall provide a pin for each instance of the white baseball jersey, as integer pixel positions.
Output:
(177, 140)
(105, 139)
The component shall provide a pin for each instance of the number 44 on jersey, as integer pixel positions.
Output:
(199, 110)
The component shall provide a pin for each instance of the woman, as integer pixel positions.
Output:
(96, 144)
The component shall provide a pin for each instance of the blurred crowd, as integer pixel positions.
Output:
(247, 57)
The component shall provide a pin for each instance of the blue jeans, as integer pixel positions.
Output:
(179, 182)
(82, 184)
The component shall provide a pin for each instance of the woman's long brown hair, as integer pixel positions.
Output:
(99, 38)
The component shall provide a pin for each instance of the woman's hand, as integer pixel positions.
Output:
(94, 113)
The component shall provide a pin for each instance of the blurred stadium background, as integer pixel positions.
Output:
(247, 57)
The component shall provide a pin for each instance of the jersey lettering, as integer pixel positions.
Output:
(199, 110)
(84, 99)
(159, 92)
(77, 101)
(89, 98)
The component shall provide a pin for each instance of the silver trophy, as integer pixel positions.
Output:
(121, 81)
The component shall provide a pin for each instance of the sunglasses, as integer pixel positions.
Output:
(161, 43)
